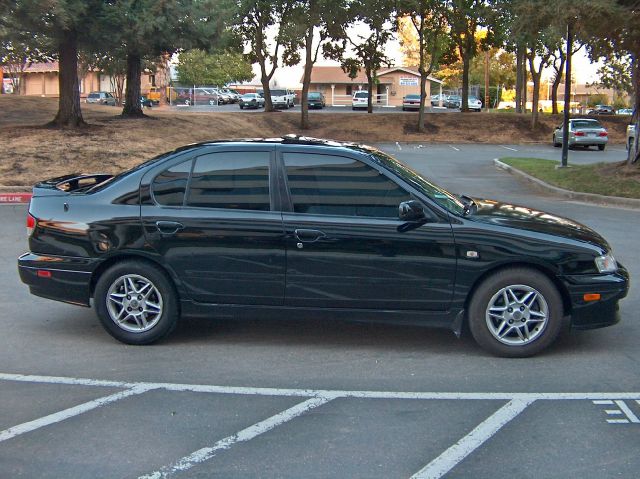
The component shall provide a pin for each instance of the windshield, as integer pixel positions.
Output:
(278, 92)
(314, 96)
(441, 196)
(361, 94)
(94, 95)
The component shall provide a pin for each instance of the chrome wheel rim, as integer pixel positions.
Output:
(134, 303)
(517, 315)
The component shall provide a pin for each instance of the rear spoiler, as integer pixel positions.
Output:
(74, 183)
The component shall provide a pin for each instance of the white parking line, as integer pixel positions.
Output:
(247, 434)
(457, 149)
(507, 148)
(465, 446)
(68, 413)
(398, 145)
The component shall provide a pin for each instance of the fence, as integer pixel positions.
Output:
(194, 96)
(345, 100)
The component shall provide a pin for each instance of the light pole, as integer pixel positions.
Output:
(567, 99)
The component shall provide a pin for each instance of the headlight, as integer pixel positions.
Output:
(606, 263)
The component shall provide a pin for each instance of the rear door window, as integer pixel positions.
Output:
(169, 186)
(231, 180)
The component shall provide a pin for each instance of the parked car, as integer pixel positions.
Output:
(474, 103)
(234, 96)
(411, 102)
(435, 100)
(583, 132)
(251, 100)
(315, 99)
(602, 110)
(360, 99)
(625, 111)
(101, 97)
(146, 102)
(315, 228)
(453, 101)
(631, 142)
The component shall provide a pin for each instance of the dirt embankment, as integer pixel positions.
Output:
(30, 152)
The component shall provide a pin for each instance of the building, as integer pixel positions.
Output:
(392, 84)
(41, 79)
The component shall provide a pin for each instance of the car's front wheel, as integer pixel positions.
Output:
(601, 147)
(516, 312)
(555, 142)
(136, 302)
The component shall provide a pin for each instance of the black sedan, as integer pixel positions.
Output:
(308, 228)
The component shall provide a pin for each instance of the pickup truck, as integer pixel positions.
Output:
(280, 98)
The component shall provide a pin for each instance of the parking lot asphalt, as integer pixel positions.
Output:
(292, 399)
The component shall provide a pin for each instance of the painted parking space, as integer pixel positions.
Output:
(236, 431)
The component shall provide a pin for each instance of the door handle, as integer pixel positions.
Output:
(168, 227)
(308, 236)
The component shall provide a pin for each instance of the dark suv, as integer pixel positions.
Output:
(303, 227)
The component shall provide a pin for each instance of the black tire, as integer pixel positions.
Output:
(601, 147)
(146, 323)
(546, 302)
(241, 107)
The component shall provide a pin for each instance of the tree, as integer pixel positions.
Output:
(357, 51)
(252, 22)
(149, 29)
(18, 51)
(197, 67)
(430, 26)
(316, 21)
(62, 26)
(464, 18)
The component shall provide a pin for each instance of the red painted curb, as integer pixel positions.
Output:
(15, 197)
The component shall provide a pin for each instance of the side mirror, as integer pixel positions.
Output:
(411, 210)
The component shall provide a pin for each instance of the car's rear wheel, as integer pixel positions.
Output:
(601, 147)
(515, 312)
(136, 302)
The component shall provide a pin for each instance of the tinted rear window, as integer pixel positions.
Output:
(170, 185)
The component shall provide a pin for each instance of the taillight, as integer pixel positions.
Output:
(579, 133)
(31, 224)
(603, 133)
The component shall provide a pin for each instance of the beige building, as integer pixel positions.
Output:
(41, 79)
(393, 84)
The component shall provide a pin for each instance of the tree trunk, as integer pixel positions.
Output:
(69, 113)
(423, 98)
(519, 66)
(132, 107)
(306, 80)
(535, 76)
(370, 88)
(465, 82)
(636, 113)
(554, 88)
(525, 87)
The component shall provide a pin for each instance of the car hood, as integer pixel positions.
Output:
(522, 217)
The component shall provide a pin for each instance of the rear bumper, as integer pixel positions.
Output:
(589, 140)
(604, 312)
(61, 278)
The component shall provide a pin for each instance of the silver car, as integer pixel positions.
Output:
(583, 132)
(101, 97)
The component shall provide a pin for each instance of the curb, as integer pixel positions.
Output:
(572, 195)
(14, 198)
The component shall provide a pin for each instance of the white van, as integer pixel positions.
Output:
(360, 99)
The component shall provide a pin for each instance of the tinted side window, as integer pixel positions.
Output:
(231, 180)
(334, 185)
(169, 186)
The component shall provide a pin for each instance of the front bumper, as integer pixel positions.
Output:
(61, 278)
(604, 312)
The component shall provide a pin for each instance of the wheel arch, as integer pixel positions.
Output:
(113, 260)
(546, 271)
